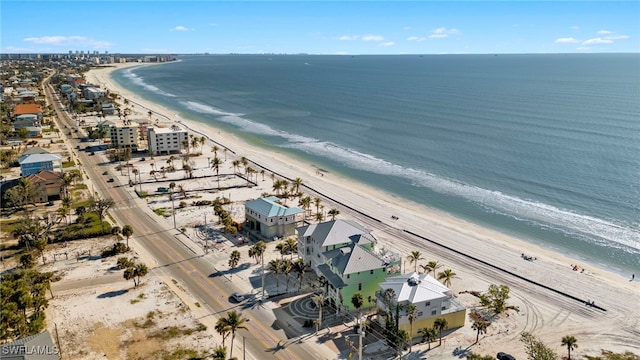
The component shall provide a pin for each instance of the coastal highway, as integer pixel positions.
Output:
(175, 260)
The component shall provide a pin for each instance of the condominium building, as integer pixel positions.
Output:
(124, 136)
(164, 141)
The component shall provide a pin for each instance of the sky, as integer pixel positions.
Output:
(319, 27)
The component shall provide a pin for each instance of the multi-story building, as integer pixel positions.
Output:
(93, 93)
(271, 219)
(124, 136)
(32, 164)
(432, 300)
(345, 255)
(162, 141)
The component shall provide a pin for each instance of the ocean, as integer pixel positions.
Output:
(544, 147)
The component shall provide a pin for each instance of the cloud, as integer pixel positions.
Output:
(180, 28)
(213, 24)
(574, 27)
(349, 37)
(608, 38)
(443, 32)
(416, 38)
(388, 43)
(597, 41)
(568, 40)
(406, 28)
(372, 38)
(78, 41)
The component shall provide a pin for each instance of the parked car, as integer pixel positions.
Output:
(105, 173)
(505, 356)
(110, 180)
(237, 297)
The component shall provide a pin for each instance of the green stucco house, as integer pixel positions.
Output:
(345, 255)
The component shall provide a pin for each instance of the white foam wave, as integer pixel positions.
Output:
(140, 82)
(206, 109)
(540, 214)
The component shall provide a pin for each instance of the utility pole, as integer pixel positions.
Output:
(262, 256)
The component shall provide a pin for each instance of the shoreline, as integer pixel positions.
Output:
(471, 239)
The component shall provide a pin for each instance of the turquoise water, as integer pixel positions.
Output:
(543, 147)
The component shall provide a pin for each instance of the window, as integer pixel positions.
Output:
(433, 312)
(444, 308)
(371, 272)
(348, 276)
(419, 313)
(360, 287)
(428, 303)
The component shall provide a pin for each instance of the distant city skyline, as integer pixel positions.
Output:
(329, 27)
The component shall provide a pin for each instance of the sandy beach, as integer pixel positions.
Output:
(548, 291)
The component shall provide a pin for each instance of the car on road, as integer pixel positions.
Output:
(505, 356)
(237, 297)
(105, 173)
(110, 180)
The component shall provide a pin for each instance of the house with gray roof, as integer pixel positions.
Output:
(271, 219)
(345, 254)
(33, 163)
(34, 347)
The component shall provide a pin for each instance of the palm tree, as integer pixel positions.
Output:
(297, 182)
(215, 149)
(412, 315)
(127, 231)
(236, 164)
(446, 276)
(480, 326)
(115, 231)
(172, 186)
(333, 212)
(319, 217)
(221, 328)
(234, 259)
(300, 267)
(305, 203)
(440, 324)
(317, 201)
(432, 266)
(215, 165)
(319, 301)
(414, 258)
(220, 353)
(570, 342)
(357, 301)
(287, 267)
(234, 322)
(428, 335)
(275, 266)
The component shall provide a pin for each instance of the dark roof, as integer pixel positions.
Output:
(35, 347)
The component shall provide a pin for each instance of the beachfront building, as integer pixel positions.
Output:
(93, 93)
(344, 254)
(28, 109)
(34, 163)
(163, 141)
(271, 219)
(47, 185)
(124, 136)
(432, 300)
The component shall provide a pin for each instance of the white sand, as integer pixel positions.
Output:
(542, 312)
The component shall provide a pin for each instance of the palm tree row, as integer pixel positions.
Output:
(229, 325)
(445, 276)
(286, 267)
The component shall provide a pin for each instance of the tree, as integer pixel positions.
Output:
(319, 301)
(140, 271)
(536, 349)
(124, 263)
(446, 276)
(127, 231)
(275, 266)
(257, 251)
(234, 322)
(479, 325)
(220, 353)
(333, 212)
(287, 267)
(300, 267)
(27, 261)
(234, 259)
(412, 315)
(215, 165)
(610, 355)
(297, 182)
(431, 266)
(440, 324)
(429, 335)
(100, 207)
(115, 231)
(571, 343)
(414, 258)
(495, 298)
(357, 301)
(221, 328)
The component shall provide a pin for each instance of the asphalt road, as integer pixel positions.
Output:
(177, 261)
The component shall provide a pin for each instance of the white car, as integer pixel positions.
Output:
(237, 297)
